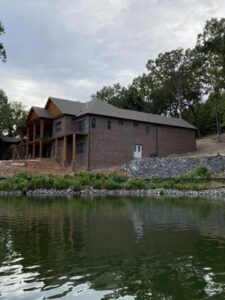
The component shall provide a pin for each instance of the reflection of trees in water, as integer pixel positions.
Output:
(95, 242)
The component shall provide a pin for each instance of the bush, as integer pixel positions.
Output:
(199, 174)
(135, 183)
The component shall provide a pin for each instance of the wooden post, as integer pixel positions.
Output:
(33, 155)
(14, 153)
(40, 149)
(42, 129)
(27, 143)
(65, 150)
(34, 131)
(56, 148)
(74, 147)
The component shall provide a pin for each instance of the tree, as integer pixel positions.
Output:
(2, 48)
(211, 42)
(12, 116)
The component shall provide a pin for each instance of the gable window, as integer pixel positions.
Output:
(58, 126)
(80, 148)
(108, 125)
(147, 129)
(135, 124)
(93, 123)
(120, 122)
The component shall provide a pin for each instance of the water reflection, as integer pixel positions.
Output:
(112, 249)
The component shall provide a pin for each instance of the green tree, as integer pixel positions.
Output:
(2, 48)
(211, 42)
(12, 116)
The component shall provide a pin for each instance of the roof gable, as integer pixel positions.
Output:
(67, 107)
(38, 112)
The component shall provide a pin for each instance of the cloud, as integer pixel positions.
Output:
(71, 49)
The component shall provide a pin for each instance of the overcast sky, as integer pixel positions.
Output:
(72, 48)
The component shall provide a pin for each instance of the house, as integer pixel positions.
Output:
(6, 144)
(97, 135)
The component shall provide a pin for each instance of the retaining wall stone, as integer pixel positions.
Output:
(169, 167)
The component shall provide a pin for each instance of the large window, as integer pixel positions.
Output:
(58, 126)
(80, 148)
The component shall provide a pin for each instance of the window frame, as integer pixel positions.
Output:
(58, 126)
(93, 122)
(109, 125)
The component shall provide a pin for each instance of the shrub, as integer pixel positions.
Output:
(135, 183)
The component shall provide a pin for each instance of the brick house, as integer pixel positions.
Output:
(97, 135)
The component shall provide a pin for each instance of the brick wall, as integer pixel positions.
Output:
(116, 146)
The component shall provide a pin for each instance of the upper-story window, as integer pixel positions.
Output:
(108, 125)
(80, 126)
(58, 126)
(147, 129)
(120, 122)
(93, 123)
(135, 124)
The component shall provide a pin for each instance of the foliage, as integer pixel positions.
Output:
(196, 180)
(12, 116)
(190, 82)
(3, 55)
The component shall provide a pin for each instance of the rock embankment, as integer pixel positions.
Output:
(170, 167)
(68, 193)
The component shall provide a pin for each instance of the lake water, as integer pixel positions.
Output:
(112, 248)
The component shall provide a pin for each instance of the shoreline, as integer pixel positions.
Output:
(90, 192)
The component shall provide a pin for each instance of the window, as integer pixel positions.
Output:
(80, 148)
(120, 122)
(58, 126)
(135, 124)
(147, 129)
(93, 122)
(80, 126)
(108, 125)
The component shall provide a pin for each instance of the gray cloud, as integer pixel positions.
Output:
(72, 48)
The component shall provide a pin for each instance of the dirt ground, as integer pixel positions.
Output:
(36, 166)
(205, 146)
(209, 146)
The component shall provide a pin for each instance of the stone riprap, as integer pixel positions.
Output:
(170, 167)
(89, 193)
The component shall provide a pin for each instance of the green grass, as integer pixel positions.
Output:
(196, 180)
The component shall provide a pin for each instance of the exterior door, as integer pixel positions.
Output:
(138, 151)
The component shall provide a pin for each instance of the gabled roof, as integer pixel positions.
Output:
(41, 112)
(102, 108)
(68, 107)
(97, 107)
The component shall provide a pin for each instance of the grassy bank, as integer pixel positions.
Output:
(198, 180)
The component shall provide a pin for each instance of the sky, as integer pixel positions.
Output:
(72, 48)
